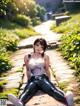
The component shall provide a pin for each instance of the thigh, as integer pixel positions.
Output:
(51, 90)
(30, 91)
(46, 85)
(30, 87)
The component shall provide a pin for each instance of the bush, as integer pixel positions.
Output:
(68, 26)
(2, 83)
(8, 40)
(4, 63)
(24, 33)
(71, 49)
(70, 41)
(23, 20)
(36, 21)
(4, 94)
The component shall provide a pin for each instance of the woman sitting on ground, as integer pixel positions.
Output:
(37, 68)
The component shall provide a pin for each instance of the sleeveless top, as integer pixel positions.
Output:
(36, 66)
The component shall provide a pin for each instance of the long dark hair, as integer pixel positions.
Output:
(42, 43)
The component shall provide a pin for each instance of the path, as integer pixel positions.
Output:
(44, 30)
(61, 68)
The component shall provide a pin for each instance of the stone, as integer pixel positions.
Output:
(12, 85)
(60, 19)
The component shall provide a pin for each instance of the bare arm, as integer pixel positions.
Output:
(27, 68)
(47, 64)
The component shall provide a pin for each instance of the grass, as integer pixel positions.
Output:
(68, 26)
(9, 91)
(19, 31)
(25, 32)
(63, 85)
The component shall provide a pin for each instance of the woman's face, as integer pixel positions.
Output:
(38, 48)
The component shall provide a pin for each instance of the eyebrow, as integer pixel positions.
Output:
(39, 44)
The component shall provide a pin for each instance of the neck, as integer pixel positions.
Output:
(37, 54)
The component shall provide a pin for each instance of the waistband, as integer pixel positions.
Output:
(40, 76)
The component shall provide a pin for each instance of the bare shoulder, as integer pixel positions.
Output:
(46, 57)
(27, 56)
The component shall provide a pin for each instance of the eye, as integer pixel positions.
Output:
(42, 47)
(37, 44)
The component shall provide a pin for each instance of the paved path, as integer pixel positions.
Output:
(45, 32)
(61, 68)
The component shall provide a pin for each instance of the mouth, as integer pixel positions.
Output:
(39, 51)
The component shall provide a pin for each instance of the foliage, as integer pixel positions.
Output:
(9, 9)
(9, 91)
(8, 25)
(70, 45)
(7, 42)
(20, 11)
(71, 49)
(40, 12)
(8, 39)
(36, 21)
(70, 40)
(2, 83)
(22, 20)
(24, 33)
(5, 64)
(68, 26)
(63, 85)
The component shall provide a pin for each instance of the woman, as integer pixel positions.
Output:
(37, 67)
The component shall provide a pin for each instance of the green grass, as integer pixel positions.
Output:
(6, 24)
(3, 82)
(15, 29)
(25, 32)
(9, 91)
(72, 24)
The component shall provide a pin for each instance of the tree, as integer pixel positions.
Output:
(40, 12)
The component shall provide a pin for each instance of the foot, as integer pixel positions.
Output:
(69, 98)
(12, 98)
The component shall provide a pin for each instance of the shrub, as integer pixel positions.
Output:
(70, 41)
(24, 33)
(68, 26)
(23, 20)
(36, 21)
(8, 40)
(8, 25)
(11, 42)
(71, 49)
(5, 64)
(5, 93)
(2, 83)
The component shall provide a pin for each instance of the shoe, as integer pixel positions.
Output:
(69, 98)
(12, 98)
